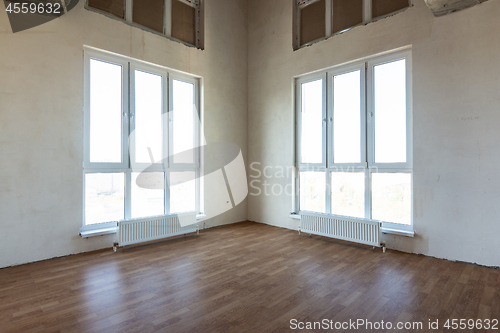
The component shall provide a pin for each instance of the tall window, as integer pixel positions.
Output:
(178, 19)
(354, 143)
(320, 19)
(141, 131)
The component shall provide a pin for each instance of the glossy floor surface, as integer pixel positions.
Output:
(245, 277)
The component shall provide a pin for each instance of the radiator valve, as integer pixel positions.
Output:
(115, 246)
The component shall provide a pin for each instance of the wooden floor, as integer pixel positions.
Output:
(246, 277)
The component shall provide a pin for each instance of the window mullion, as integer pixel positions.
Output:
(328, 192)
(127, 91)
(365, 139)
(128, 194)
(329, 121)
(166, 142)
(369, 117)
(167, 191)
(165, 123)
(328, 138)
(368, 135)
(328, 18)
(128, 10)
(167, 18)
(368, 194)
(169, 159)
(324, 120)
(197, 191)
(367, 10)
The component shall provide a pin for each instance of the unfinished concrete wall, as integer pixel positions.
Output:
(456, 104)
(41, 119)
(445, 7)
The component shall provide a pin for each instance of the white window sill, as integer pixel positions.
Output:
(406, 233)
(200, 217)
(98, 232)
(294, 216)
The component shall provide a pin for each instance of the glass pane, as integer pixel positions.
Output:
(391, 197)
(183, 119)
(148, 117)
(148, 193)
(312, 191)
(347, 118)
(104, 197)
(390, 112)
(312, 122)
(182, 192)
(348, 193)
(105, 112)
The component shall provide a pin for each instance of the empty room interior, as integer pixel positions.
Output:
(249, 166)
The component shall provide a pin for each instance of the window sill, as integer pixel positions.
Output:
(405, 233)
(294, 216)
(98, 232)
(200, 217)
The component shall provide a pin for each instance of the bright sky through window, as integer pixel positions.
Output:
(390, 112)
(183, 118)
(105, 112)
(148, 117)
(346, 118)
(312, 114)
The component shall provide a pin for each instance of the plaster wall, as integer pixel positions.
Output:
(455, 115)
(41, 119)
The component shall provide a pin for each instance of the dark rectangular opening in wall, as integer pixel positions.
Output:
(346, 14)
(113, 7)
(149, 13)
(312, 22)
(183, 22)
(384, 7)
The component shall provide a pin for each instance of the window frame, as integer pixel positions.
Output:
(331, 119)
(165, 129)
(196, 128)
(88, 55)
(167, 19)
(128, 164)
(367, 165)
(300, 81)
(371, 111)
(298, 5)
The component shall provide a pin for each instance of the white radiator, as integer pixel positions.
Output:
(345, 228)
(154, 228)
